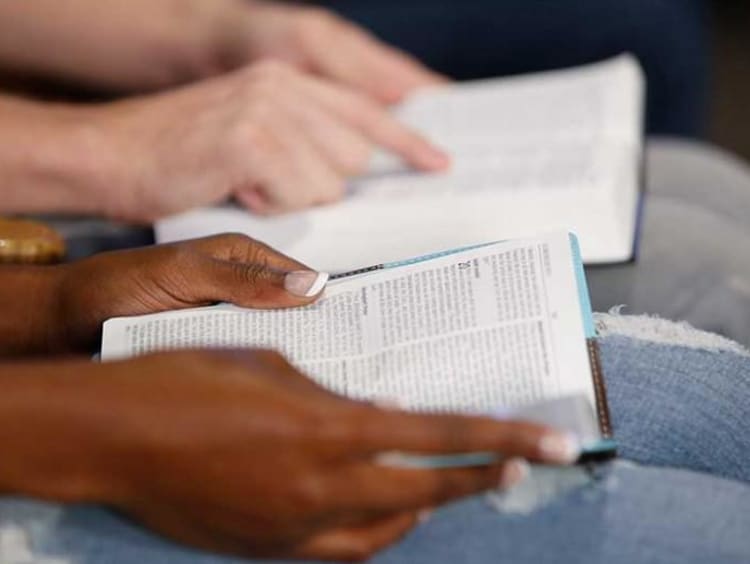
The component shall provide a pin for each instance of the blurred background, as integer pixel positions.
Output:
(730, 102)
(696, 53)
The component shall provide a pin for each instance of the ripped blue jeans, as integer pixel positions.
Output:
(680, 402)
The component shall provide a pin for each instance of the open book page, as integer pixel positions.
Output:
(495, 327)
(530, 154)
(483, 120)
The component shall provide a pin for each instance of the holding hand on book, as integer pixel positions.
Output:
(272, 137)
(290, 107)
(70, 302)
(238, 452)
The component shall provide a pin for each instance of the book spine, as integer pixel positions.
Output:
(600, 389)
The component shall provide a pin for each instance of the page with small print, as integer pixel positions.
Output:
(493, 327)
(558, 150)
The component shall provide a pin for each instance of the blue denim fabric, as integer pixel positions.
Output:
(680, 412)
(680, 407)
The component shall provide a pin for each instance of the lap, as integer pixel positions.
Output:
(683, 402)
(679, 400)
(627, 514)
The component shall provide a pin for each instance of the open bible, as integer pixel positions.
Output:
(531, 154)
(491, 329)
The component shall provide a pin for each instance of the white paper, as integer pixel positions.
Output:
(530, 154)
(498, 326)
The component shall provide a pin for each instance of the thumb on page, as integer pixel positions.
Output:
(261, 286)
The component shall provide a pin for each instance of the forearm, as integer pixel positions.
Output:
(30, 320)
(52, 442)
(52, 159)
(126, 46)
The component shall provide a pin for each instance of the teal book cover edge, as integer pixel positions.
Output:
(584, 298)
(607, 446)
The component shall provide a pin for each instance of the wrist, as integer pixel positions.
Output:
(54, 160)
(76, 311)
(30, 323)
(53, 445)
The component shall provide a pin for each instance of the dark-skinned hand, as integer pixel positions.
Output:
(237, 452)
(61, 309)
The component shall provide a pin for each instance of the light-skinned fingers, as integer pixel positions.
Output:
(344, 147)
(376, 124)
(281, 167)
(357, 544)
(367, 64)
(300, 175)
(392, 75)
(413, 73)
(318, 173)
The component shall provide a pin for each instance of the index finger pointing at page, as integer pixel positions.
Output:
(457, 434)
(377, 124)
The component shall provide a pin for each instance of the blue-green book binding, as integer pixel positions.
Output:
(603, 449)
(607, 447)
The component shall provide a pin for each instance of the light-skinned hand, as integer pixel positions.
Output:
(273, 137)
(317, 40)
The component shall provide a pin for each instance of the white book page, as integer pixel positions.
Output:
(494, 327)
(530, 154)
(590, 104)
(413, 215)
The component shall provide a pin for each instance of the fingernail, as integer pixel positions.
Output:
(514, 472)
(305, 283)
(425, 516)
(390, 403)
(560, 448)
(437, 159)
